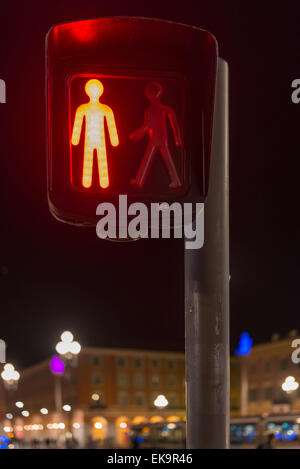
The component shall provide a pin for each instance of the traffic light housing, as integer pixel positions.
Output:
(129, 111)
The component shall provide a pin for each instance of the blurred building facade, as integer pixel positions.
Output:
(263, 372)
(235, 386)
(108, 391)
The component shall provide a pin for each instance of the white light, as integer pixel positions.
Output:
(9, 373)
(44, 411)
(75, 348)
(9, 367)
(11, 446)
(161, 401)
(67, 408)
(98, 425)
(171, 426)
(61, 426)
(25, 413)
(62, 348)
(67, 345)
(290, 384)
(67, 337)
(123, 425)
(9, 416)
(95, 397)
(76, 425)
(7, 429)
(20, 404)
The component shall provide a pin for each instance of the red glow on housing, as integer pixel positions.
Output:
(82, 31)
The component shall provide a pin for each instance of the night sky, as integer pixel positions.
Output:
(55, 277)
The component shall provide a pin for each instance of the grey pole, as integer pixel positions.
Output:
(58, 393)
(207, 298)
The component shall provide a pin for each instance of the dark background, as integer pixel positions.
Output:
(56, 277)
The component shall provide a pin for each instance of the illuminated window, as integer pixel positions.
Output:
(97, 378)
(172, 380)
(123, 399)
(140, 399)
(155, 380)
(139, 380)
(122, 380)
(121, 362)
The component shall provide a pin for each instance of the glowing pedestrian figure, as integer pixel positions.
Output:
(94, 113)
(155, 124)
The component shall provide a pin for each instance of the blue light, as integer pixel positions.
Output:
(245, 344)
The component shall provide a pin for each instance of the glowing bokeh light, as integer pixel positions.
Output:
(95, 113)
(245, 344)
(161, 401)
(290, 384)
(57, 366)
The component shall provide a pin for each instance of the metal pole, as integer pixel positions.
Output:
(58, 393)
(207, 298)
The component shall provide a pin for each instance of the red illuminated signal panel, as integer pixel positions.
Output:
(125, 97)
(129, 111)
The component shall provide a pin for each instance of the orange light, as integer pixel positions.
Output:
(173, 418)
(94, 113)
(156, 419)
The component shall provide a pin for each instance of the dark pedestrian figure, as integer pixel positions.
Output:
(269, 444)
(155, 125)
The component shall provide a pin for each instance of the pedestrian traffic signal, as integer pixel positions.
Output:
(95, 115)
(130, 108)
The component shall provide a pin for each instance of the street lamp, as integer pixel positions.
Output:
(161, 402)
(290, 384)
(68, 347)
(10, 376)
